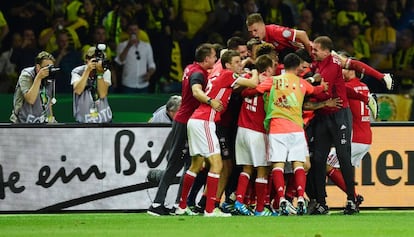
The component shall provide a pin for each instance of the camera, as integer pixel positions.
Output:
(100, 56)
(52, 71)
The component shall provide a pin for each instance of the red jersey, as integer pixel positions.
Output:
(280, 69)
(189, 103)
(331, 71)
(252, 113)
(281, 37)
(361, 124)
(226, 118)
(219, 88)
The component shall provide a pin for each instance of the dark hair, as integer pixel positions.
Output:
(304, 55)
(218, 47)
(266, 48)
(291, 61)
(227, 57)
(235, 41)
(263, 62)
(203, 51)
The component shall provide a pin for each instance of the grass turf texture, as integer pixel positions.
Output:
(367, 223)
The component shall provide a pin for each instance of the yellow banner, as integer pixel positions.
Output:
(386, 175)
(394, 107)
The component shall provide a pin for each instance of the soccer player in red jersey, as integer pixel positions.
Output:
(193, 85)
(251, 145)
(201, 128)
(281, 37)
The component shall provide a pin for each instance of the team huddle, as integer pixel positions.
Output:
(262, 127)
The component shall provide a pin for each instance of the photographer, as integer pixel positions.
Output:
(34, 94)
(90, 86)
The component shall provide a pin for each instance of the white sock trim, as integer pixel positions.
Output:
(261, 180)
(191, 173)
(213, 175)
(245, 174)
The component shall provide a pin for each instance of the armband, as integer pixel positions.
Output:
(209, 101)
(99, 76)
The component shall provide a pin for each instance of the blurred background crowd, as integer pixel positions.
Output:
(378, 32)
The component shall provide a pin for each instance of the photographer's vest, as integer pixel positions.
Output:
(24, 112)
(87, 107)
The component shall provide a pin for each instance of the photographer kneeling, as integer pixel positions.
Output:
(34, 94)
(90, 86)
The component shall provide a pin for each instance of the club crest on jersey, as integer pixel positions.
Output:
(286, 33)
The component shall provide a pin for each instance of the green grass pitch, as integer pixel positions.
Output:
(367, 223)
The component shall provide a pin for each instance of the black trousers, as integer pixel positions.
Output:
(331, 130)
(178, 157)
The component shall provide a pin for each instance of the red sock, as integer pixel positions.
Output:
(212, 183)
(290, 186)
(252, 200)
(249, 193)
(365, 69)
(300, 181)
(336, 176)
(188, 182)
(260, 193)
(269, 189)
(279, 183)
(242, 186)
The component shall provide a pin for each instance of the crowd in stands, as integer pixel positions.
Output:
(377, 32)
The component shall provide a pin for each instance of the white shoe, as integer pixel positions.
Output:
(373, 105)
(301, 208)
(389, 82)
(216, 213)
(185, 212)
(290, 208)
